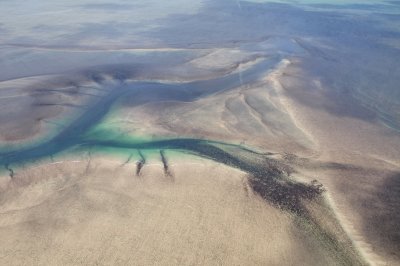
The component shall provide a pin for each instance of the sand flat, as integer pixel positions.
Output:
(104, 213)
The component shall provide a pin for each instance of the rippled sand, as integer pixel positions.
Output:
(79, 212)
(310, 86)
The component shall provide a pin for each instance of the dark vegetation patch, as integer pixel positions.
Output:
(268, 177)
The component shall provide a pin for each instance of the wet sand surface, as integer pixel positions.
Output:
(105, 214)
(254, 133)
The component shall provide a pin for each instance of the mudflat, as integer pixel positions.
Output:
(200, 133)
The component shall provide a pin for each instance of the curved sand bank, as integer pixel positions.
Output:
(186, 72)
(261, 109)
(263, 104)
(356, 159)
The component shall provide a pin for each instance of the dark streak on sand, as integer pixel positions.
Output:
(128, 160)
(167, 171)
(268, 177)
(140, 163)
(10, 170)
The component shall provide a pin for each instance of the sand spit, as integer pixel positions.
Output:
(294, 104)
(265, 113)
(356, 159)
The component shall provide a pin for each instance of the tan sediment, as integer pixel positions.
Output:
(359, 242)
(366, 146)
(287, 105)
(46, 189)
(251, 114)
(64, 213)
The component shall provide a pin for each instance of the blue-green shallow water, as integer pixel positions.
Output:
(77, 134)
(74, 134)
(352, 46)
(267, 176)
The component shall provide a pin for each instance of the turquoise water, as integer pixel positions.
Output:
(352, 47)
(80, 131)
